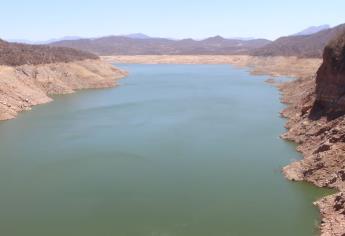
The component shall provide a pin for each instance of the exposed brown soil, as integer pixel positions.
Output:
(24, 86)
(273, 66)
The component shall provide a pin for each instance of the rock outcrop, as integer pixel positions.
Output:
(317, 124)
(330, 81)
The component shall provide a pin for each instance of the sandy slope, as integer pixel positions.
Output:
(25, 86)
(274, 66)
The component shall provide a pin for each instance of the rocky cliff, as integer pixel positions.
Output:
(330, 81)
(317, 124)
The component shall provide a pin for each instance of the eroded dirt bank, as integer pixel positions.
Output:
(274, 66)
(22, 87)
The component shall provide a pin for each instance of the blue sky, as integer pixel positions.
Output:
(44, 19)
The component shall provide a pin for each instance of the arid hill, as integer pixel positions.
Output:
(306, 44)
(300, 45)
(29, 74)
(15, 54)
(120, 45)
(312, 30)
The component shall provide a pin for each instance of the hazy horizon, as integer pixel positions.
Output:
(73, 37)
(40, 20)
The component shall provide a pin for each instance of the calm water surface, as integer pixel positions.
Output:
(185, 150)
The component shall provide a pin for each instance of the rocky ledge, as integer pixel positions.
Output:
(316, 122)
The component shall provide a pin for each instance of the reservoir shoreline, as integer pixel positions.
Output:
(28, 85)
(301, 69)
(322, 170)
(179, 180)
(33, 84)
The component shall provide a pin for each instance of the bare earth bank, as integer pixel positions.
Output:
(321, 142)
(274, 66)
(24, 86)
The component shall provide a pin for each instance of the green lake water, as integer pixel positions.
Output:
(175, 150)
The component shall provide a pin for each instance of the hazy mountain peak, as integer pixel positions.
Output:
(122, 45)
(137, 36)
(25, 41)
(310, 45)
(217, 37)
(312, 30)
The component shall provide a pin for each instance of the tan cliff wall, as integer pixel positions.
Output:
(317, 124)
(24, 86)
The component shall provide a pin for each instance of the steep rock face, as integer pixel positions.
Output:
(330, 81)
(316, 114)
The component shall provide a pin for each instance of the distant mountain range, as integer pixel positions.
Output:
(43, 42)
(15, 54)
(312, 30)
(145, 45)
(50, 41)
(137, 36)
(307, 43)
(310, 45)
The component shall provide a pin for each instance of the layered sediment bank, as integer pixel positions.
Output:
(22, 87)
